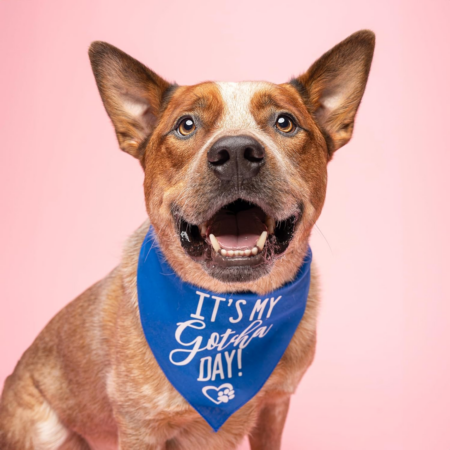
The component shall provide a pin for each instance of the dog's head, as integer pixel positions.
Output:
(235, 173)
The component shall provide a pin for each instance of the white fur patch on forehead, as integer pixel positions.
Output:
(237, 98)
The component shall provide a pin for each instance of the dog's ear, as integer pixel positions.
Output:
(132, 95)
(334, 85)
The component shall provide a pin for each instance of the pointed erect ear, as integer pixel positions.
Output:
(131, 93)
(334, 85)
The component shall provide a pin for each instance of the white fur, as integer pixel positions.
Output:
(237, 98)
(50, 432)
(133, 107)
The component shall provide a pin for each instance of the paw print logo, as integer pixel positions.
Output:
(225, 395)
(221, 394)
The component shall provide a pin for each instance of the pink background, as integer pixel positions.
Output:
(69, 196)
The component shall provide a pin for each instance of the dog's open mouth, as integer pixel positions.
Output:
(237, 235)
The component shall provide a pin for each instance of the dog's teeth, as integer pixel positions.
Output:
(262, 240)
(246, 252)
(203, 229)
(270, 224)
(214, 243)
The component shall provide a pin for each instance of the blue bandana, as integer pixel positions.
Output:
(216, 349)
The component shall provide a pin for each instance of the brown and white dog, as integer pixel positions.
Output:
(89, 380)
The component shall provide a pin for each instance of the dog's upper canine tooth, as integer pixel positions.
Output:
(214, 243)
(262, 240)
(270, 224)
(203, 229)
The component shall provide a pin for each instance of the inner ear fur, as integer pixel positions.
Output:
(132, 94)
(334, 85)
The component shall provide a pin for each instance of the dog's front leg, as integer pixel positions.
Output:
(141, 445)
(268, 430)
(134, 439)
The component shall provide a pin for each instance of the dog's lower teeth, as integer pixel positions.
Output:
(247, 252)
(262, 240)
(214, 243)
(231, 253)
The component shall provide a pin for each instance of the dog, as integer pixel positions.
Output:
(90, 379)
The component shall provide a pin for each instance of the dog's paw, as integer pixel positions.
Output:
(225, 395)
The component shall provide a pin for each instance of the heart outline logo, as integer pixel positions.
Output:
(222, 395)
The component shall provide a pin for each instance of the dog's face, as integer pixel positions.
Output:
(235, 173)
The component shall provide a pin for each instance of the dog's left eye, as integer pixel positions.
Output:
(186, 127)
(285, 124)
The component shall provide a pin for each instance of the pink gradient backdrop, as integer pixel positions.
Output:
(69, 196)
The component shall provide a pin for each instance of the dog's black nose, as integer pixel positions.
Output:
(239, 157)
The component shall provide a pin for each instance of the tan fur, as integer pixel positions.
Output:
(89, 380)
(103, 365)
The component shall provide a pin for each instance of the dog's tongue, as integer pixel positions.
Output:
(236, 231)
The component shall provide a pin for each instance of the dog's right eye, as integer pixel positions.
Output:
(186, 127)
